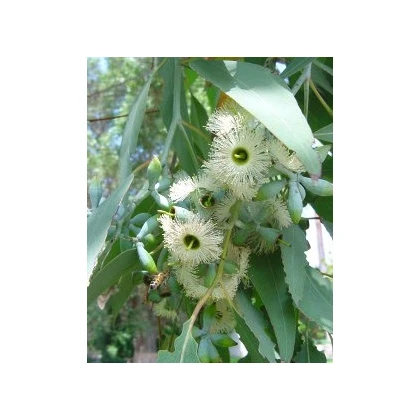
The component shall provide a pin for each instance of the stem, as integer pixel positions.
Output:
(318, 95)
(217, 278)
(195, 129)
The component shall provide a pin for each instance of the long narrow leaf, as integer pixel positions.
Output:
(266, 274)
(126, 262)
(131, 131)
(255, 321)
(99, 222)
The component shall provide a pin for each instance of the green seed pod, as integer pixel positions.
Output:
(140, 218)
(146, 259)
(270, 235)
(320, 187)
(181, 213)
(161, 201)
(95, 192)
(149, 226)
(153, 172)
(210, 275)
(270, 189)
(230, 267)
(223, 340)
(294, 202)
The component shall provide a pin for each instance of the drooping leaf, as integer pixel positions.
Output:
(267, 276)
(325, 133)
(265, 96)
(126, 262)
(294, 260)
(131, 131)
(310, 354)
(185, 348)
(256, 323)
(250, 342)
(317, 300)
(99, 222)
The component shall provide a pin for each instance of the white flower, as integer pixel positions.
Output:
(283, 156)
(222, 210)
(188, 277)
(181, 189)
(222, 122)
(193, 241)
(239, 160)
(280, 214)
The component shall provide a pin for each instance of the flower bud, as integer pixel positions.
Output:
(153, 172)
(270, 189)
(294, 202)
(148, 227)
(319, 187)
(269, 235)
(146, 259)
(140, 218)
(181, 213)
(161, 201)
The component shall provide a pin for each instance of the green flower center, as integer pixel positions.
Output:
(191, 242)
(207, 201)
(240, 156)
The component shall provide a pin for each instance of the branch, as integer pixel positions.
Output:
(150, 111)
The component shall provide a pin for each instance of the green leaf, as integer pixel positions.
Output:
(328, 225)
(174, 110)
(126, 262)
(294, 260)
(250, 342)
(323, 207)
(117, 300)
(317, 300)
(256, 323)
(310, 354)
(266, 96)
(185, 348)
(297, 64)
(199, 119)
(99, 222)
(325, 133)
(207, 352)
(266, 274)
(131, 131)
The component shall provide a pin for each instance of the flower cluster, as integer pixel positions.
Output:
(237, 204)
